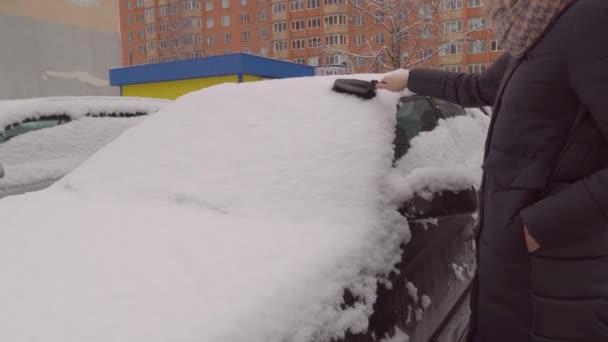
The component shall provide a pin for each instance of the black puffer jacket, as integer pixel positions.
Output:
(546, 166)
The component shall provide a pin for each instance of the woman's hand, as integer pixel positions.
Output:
(532, 245)
(395, 81)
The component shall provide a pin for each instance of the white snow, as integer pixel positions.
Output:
(399, 336)
(48, 154)
(14, 111)
(217, 219)
(425, 301)
(459, 272)
(412, 290)
(81, 76)
(447, 158)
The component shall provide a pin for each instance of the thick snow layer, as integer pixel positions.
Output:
(446, 158)
(399, 336)
(48, 154)
(240, 212)
(15, 111)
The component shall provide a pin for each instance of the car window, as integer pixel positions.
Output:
(414, 115)
(28, 126)
(449, 109)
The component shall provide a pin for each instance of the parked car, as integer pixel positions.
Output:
(42, 139)
(268, 211)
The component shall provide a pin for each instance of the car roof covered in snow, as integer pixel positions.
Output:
(236, 213)
(15, 111)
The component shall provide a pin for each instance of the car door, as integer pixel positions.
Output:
(429, 296)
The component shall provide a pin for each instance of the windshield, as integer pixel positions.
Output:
(24, 127)
(414, 115)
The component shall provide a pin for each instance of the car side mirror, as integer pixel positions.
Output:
(443, 203)
(1, 171)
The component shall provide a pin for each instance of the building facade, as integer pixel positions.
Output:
(357, 35)
(58, 47)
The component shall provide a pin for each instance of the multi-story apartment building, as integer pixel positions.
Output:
(362, 35)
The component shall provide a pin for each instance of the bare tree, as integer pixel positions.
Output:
(406, 33)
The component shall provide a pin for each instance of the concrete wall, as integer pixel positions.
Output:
(57, 47)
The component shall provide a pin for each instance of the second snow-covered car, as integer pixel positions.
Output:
(43, 139)
(262, 212)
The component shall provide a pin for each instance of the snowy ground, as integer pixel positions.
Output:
(219, 220)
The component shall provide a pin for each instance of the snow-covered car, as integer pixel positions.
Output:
(43, 139)
(262, 212)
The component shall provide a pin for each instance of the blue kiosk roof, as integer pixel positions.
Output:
(230, 64)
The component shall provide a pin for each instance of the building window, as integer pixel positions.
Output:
(314, 22)
(149, 12)
(226, 20)
(163, 27)
(227, 38)
(141, 35)
(426, 33)
(451, 26)
(129, 22)
(163, 44)
(264, 51)
(379, 15)
(140, 3)
(163, 11)
(296, 5)
(359, 61)
(150, 28)
(314, 42)
(151, 45)
(130, 35)
(425, 54)
(297, 25)
(210, 40)
(245, 36)
(165, 59)
(244, 2)
(280, 26)
(449, 49)
(359, 20)
(476, 24)
(225, 3)
(263, 33)
(192, 22)
(209, 23)
(175, 42)
(141, 19)
(476, 68)
(312, 4)
(129, 4)
(152, 60)
(262, 14)
(336, 39)
(193, 55)
(333, 2)
(244, 17)
(335, 59)
(278, 8)
(209, 6)
(448, 5)
(475, 3)
(173, 8)
(477, 46)
(280, 45)
(299, 60)
(142, 50)
(174, 25)
(495, 45)
(298, 44)
(335, 19)
(379, 38)
(359, 40)
(192, 5)
(452, 68)
(313, 61)
(358, 3)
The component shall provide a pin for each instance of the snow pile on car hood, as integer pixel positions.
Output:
(237, 213)
(48, 154)
(12, 111)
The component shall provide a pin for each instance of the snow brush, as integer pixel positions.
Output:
(360, 88)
